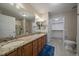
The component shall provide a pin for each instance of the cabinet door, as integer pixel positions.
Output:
(19, 51)
(45, 39)
(42, 39)
(27, 50)
(14, 53)
(35, 49)
(39, 45)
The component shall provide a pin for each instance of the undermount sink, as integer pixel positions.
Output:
(12, 44)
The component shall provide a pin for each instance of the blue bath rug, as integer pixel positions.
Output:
(48, 50)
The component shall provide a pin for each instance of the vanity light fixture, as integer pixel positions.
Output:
(56, 19)
(17, 6)
(24, 15)
(12, 4)
(55, 4)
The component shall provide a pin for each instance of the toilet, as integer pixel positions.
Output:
(70, 45)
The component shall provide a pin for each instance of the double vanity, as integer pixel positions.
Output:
(24, 46)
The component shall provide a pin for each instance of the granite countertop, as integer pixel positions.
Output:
(6, 47)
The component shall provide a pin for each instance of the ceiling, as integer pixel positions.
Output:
(53, 7)
(12, 10)
(41, 7)
(30, 9)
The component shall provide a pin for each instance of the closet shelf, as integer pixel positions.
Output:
(58, 30)
(57, 22)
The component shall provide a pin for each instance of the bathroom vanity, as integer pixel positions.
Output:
(24, 46)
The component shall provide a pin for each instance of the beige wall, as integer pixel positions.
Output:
(78, 30)
(70, 23)
(28, 26)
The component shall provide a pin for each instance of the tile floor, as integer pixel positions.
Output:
(59, 48)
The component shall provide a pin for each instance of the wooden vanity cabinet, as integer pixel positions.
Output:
(31, 49)
(35, 48)
(19, 51)
(42, 42)
(39, 45)
(27, 50)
